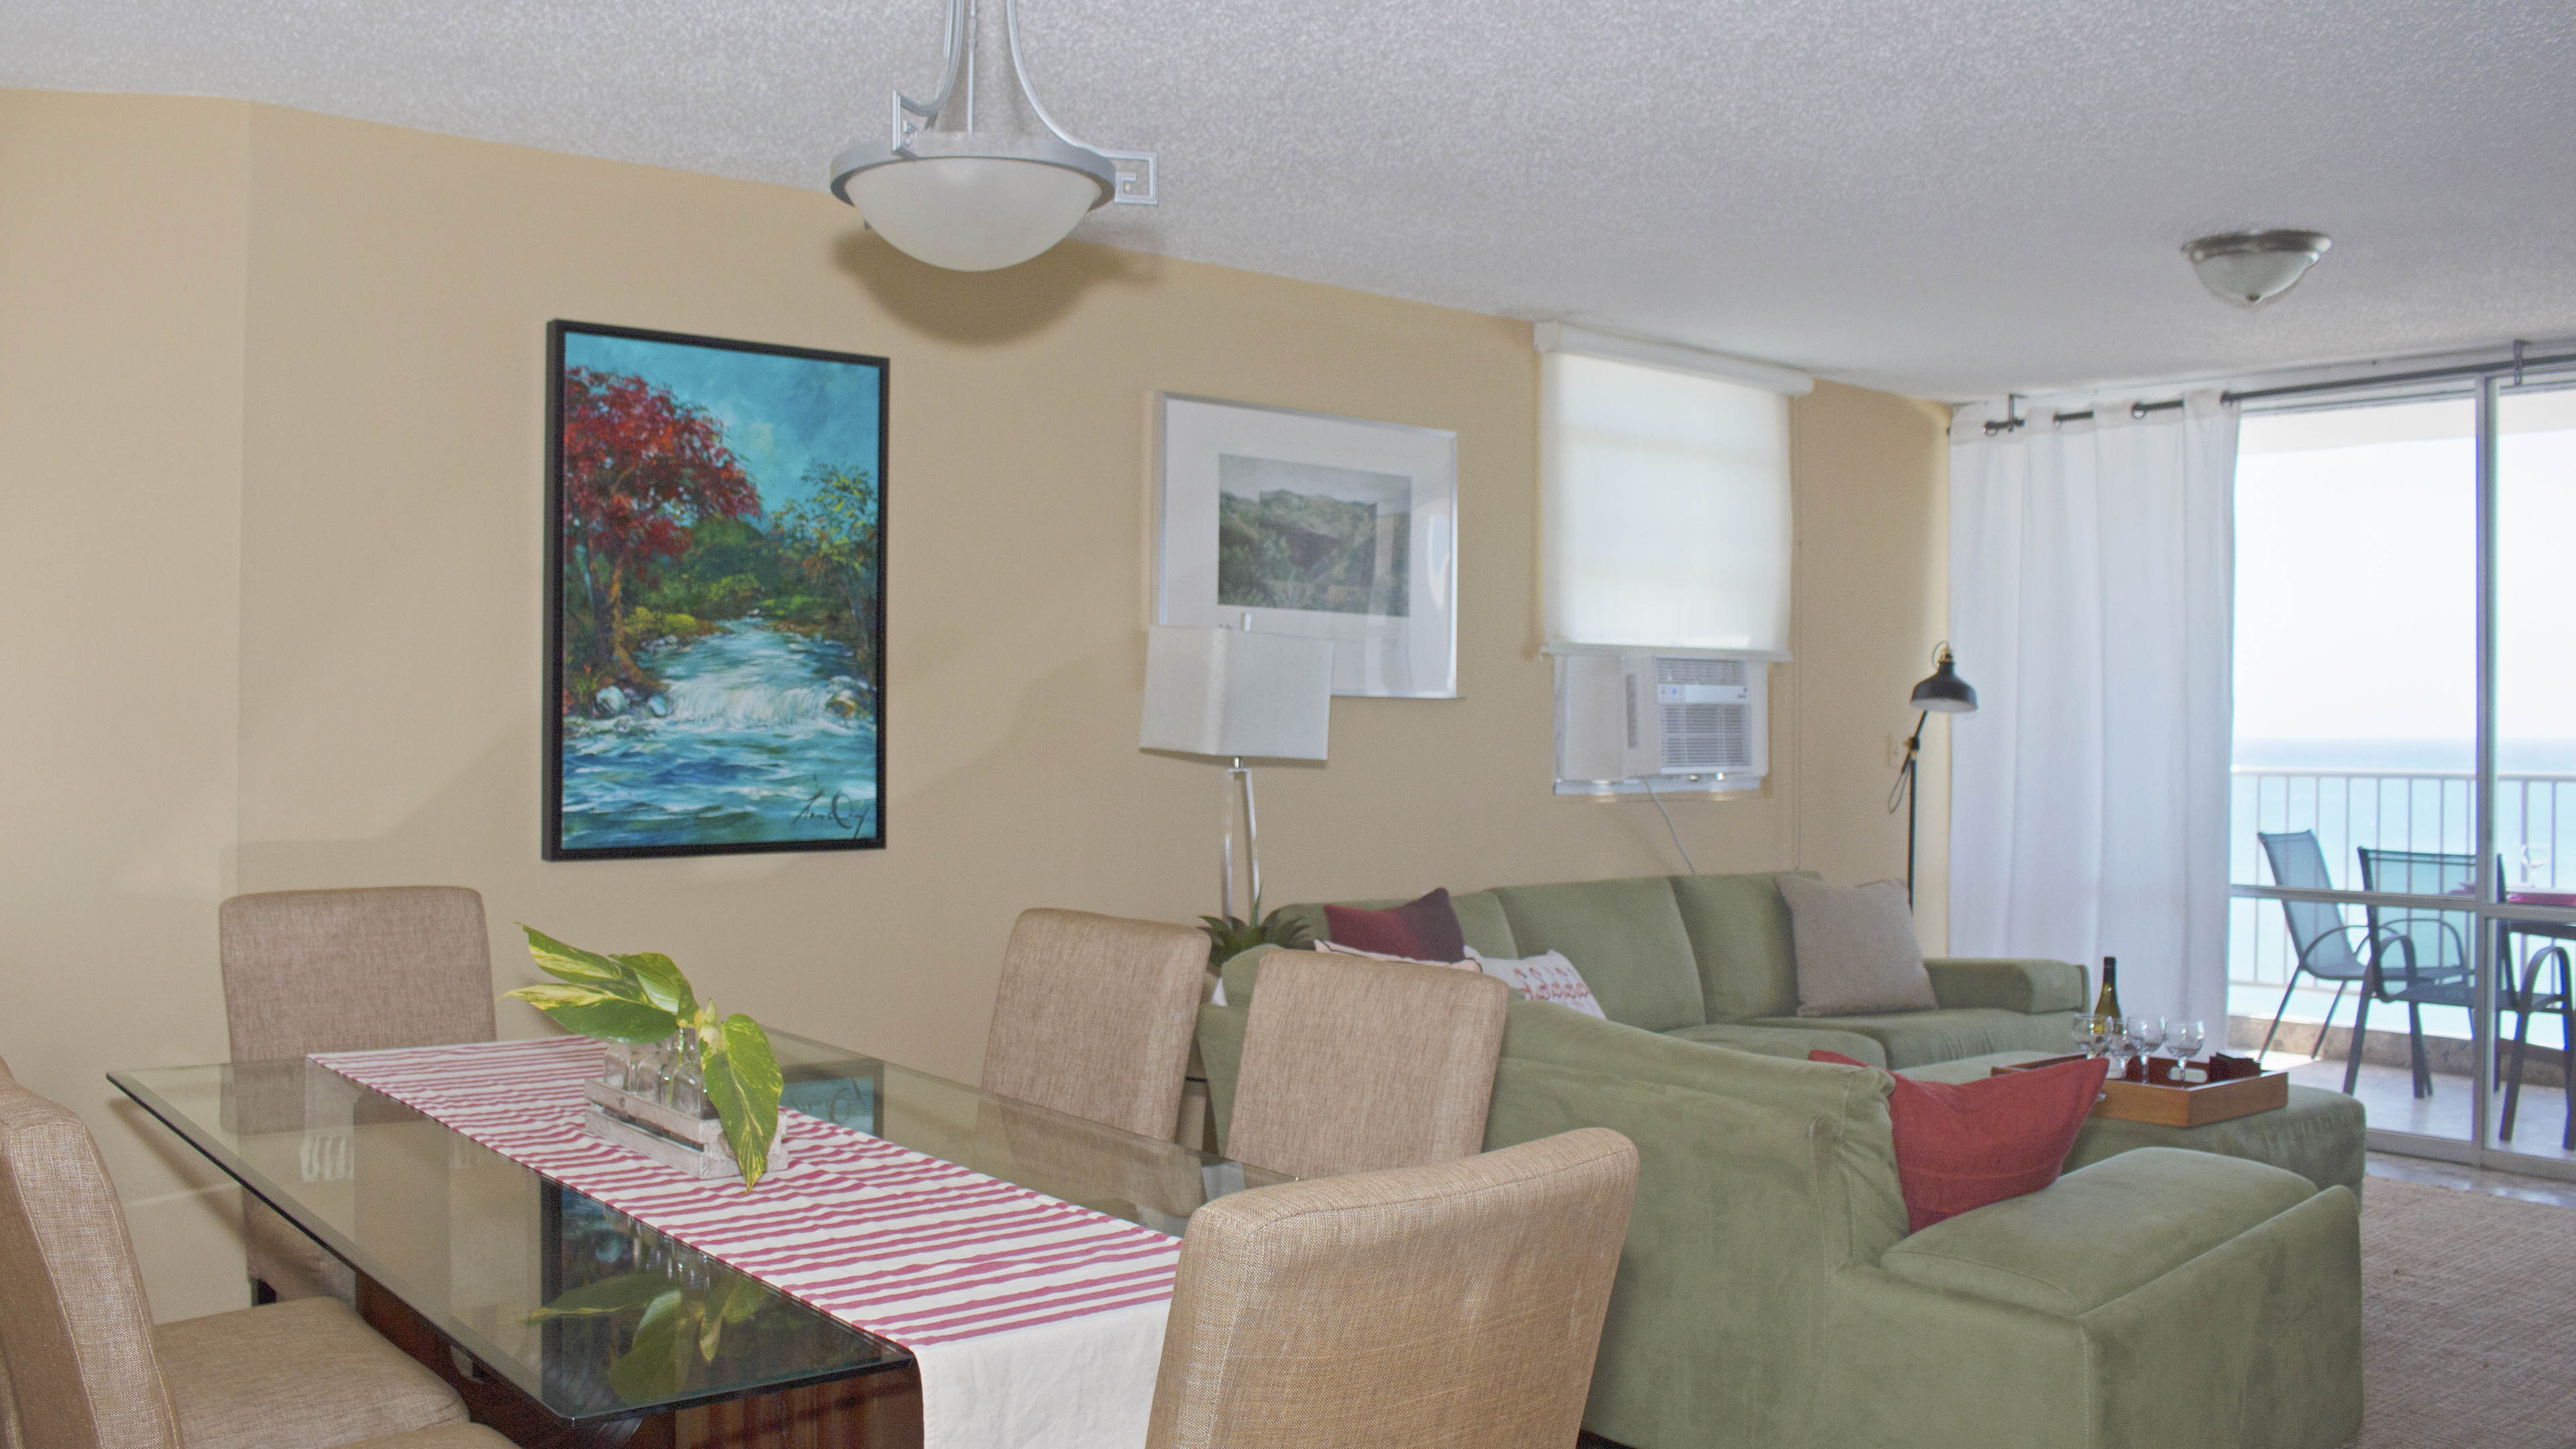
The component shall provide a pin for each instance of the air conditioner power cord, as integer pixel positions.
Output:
(1668, 822)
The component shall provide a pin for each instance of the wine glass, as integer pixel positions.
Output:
(2186, 1038)
(2116, 1045)
(2147, 1035)
(2087, 1030)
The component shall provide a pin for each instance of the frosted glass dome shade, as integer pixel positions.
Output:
(2253, 267)
(973, 213)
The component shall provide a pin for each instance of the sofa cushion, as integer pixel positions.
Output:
(1422, 929)
(2098, 1233)
(1480, 920)
(2009, 983)
(1739, 933)
(1914, 1038)
(1772, 1041)
(1962, 1145)
(1856, 949)
(1625, 936)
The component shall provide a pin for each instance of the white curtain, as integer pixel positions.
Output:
(2092, 580)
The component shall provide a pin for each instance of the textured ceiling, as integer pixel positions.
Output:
(1942, 197)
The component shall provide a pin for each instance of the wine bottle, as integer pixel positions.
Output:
(2108, 1003)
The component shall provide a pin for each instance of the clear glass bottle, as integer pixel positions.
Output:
(685, 1087)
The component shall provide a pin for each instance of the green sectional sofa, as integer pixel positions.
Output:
(1708, 958)
(1770, 1293)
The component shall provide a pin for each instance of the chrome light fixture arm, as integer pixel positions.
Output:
(957, 53)
(1135, 184)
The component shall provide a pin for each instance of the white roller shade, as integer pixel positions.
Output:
(1665, 508)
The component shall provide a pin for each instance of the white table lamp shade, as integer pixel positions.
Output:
(1235, 693)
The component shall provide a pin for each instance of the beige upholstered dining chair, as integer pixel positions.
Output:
(1353, 1065)
(336, 971)
(92, 1372)
(1096, 1016)
(1458, 1304)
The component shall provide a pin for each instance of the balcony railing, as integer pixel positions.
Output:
(2394, 810)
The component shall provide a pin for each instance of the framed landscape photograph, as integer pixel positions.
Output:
(1335, 528)
(715, 596)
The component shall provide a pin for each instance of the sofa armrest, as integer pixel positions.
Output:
(2007, 983)
(1740, 1221)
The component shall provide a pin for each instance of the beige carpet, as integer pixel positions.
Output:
(2468, 1319)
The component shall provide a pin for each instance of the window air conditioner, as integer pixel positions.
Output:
(1692, 721)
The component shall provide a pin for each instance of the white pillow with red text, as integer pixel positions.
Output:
(1547, 976)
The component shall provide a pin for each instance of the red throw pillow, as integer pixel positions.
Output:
(1425, 929)
(1962, 1145)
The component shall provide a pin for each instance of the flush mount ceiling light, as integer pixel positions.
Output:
(971, 200)
(2253, 267)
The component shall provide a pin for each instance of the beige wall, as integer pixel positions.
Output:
(386, 319)
(121, 263)
(1872, 473)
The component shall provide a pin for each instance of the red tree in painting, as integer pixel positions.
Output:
(639, 467)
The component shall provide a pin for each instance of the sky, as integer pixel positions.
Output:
(2356, 574)
(780, 414)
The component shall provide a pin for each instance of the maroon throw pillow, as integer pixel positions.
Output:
(1962, 1145)
(1424, 929)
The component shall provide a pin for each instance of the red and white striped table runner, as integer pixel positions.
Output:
(998, 1292)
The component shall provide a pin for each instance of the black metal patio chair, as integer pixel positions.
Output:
(2448, 981)
(2522, 996)
(2418, 957)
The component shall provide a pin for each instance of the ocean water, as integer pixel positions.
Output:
(761, 735)
(2522, 756)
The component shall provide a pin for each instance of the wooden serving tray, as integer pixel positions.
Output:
(2196, 1105)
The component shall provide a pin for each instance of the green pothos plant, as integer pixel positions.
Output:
(643, 998)
(678, 1322)
(1229, 936)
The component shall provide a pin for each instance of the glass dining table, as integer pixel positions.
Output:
(527, 1295)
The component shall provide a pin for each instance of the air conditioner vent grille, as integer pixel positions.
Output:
(1700, 733)
(1699, 671)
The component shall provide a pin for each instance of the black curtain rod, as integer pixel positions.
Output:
(2136, 410)
(2516, 365)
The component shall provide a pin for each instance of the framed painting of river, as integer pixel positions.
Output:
(715, 596)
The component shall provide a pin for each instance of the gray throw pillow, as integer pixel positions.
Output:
(1856, 948)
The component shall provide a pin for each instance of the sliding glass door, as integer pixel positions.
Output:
(2403, 831)
(2356, 751)
(2535, 802)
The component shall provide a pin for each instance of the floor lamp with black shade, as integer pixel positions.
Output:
(1944, 693)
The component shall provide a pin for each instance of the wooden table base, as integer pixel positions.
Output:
(870, 1411)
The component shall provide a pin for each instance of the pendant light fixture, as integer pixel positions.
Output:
(2253, 267)
(974, 200)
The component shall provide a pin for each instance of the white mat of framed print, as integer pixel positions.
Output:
(1333, 528)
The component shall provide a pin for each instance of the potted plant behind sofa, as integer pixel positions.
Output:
(1229, 936)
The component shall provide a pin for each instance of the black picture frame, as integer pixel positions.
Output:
(851, 826)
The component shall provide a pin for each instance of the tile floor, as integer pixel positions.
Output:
(2389, 1095)
(2474, 1179)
